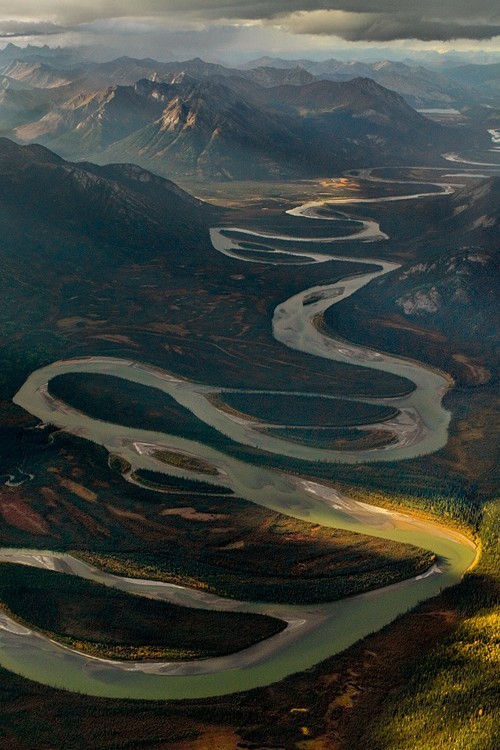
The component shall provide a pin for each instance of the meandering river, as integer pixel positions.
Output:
(313, 632)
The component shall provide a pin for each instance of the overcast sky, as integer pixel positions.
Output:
(232, 28)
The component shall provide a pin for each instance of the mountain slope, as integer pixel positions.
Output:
(207, 130)
(38, 75)
(89, 123)
(19, 104)
(485, 78)
(442, 308)
(232, 128)
(121, 205)
(475, 211)
(86, 254)
(361, 97)
(419, 86)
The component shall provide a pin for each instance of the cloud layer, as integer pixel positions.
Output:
(352, 20)
(385, 27)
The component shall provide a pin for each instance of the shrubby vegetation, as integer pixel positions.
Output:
(106, 622)
(166, 483)
(452, 699)
(22, 449)
(185, 461)
(422, 485)
(114, 399)
(26, 351)
(335, 438)
(290, 573)
(285, 409)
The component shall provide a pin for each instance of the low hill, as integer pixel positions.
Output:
(86, 253)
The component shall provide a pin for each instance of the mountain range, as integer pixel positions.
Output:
(435, 83)
(223, 128)
(201, 120)
(419, 86)
(483, 78)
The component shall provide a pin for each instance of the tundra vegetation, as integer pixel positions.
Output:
(287, 409)
(102, 621)
(431, 658)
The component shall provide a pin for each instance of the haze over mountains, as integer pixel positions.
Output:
(483, 78)
(451, 84)
(203, 120)
(419, 86)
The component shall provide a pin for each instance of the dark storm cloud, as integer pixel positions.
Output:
(386, 28)
(354, 20)
(362, 20)
(446, 9)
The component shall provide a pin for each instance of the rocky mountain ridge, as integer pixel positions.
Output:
(420, 86)
(203, 120)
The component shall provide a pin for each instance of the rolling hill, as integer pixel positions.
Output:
(122, 205)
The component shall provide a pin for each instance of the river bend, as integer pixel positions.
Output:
(313, 632)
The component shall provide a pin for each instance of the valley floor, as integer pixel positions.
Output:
(434, 660)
